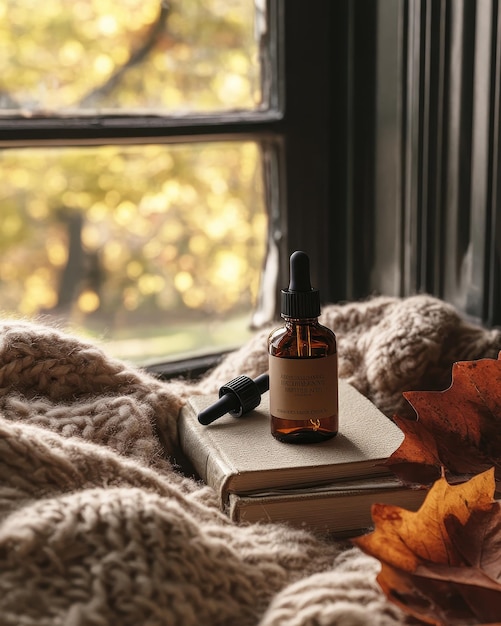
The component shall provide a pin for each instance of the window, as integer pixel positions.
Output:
(100, 58)
(135, 156)
(277, 140)
(157, 247)
(352, 129)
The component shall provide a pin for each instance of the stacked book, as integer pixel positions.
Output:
(328, 486)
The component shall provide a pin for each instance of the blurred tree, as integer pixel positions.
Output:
(136, 54)
(117, 236)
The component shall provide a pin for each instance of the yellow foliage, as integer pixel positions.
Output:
(194, 298)
(57, 252)
(183, 281)
(134, 269)
(180, 227)
(38, 293)
(149, 284)
(88, 301)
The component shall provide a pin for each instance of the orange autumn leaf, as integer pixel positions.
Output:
(458, 429)
(442, 563)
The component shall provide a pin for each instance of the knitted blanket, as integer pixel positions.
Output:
(98, 526)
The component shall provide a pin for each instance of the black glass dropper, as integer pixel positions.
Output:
(236, 397)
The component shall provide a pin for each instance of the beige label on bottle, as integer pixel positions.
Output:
(303, 388)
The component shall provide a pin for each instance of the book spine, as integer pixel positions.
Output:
(345, 513)
(212, 469)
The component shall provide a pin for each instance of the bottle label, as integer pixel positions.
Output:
(303, 388)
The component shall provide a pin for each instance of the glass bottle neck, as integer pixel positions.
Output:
(292, 321)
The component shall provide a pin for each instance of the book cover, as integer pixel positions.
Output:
(240, 456)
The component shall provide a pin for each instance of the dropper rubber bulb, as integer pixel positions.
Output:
(299, 272)
(300, 301)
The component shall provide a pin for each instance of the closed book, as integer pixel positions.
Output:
(342, 509)
(240, 456)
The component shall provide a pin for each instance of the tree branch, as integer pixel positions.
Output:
(155, 32)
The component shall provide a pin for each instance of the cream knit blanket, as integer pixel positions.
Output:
(98, 527)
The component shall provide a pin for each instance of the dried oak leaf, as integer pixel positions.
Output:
(458, 429)
(442, 563)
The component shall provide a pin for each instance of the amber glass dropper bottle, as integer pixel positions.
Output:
(302, 364)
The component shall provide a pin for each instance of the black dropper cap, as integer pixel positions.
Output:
(236, 397)
(300, 301)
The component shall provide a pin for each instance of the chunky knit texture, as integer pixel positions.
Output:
(98, 526)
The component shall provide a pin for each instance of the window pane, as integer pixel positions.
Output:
(157, 249)
(83, 56)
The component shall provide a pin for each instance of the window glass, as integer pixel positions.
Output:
(83, 56)
(156, 249)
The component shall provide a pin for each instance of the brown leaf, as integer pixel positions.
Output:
(458, 429)
(442, 564)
